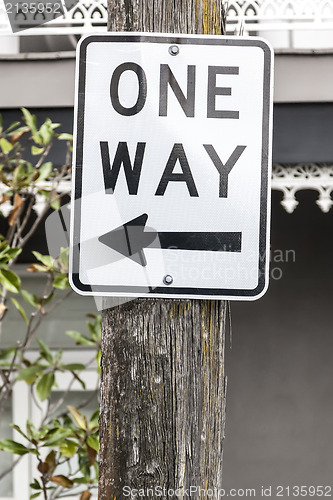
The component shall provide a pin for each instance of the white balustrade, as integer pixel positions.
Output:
(254, 16)
(289, 179)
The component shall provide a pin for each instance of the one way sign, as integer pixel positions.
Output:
(172, 166)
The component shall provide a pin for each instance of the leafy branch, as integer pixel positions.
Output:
(63, 439)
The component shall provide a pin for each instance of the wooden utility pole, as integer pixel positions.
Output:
(163, 385)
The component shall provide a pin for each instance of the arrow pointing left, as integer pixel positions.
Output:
(131, 238)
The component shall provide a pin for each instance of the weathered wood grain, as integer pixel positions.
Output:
(163, 387)
(167, 16)
(163, 395)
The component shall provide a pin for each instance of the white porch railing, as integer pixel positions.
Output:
(281, 14)
(286, 178)
(293, 178)
(256, 16)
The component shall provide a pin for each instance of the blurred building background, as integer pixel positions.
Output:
(280, 371)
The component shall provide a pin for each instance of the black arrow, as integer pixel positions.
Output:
(132, 237)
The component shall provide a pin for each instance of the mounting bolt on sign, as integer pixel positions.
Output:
(172, 166)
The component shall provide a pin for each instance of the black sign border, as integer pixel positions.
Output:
(169, 291)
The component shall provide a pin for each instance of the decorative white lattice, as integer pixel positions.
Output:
(280, 10)
(257, 15)
(286, 178)
(292, 178)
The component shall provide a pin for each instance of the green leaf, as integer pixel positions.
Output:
(58, 355)
(61, 281)
(36, 151)
(4, 364)
(20, 309)
(30, 372)
(45, 171)
(19, 430)
(56, 438)
(32, 432)
(47, 260)
(80, 339)
(79, 418)
(55, 202)
(19, 174)
(68, 448)
(64, 257)
(93, 442)
(12, 126)
(31, 171)
(10, 280)
(5, 145)
(85, 467)
(35, 485)
(34, 495)
(45, 351)
(30, 298)
(45, 193)
(95, 328)
(74, 367)
(65, 137)
(44, 386)
(46, 131)
(75, 375)
(7, 353)
(4, 250)
(13, 447)
(96, 469)
(30, 120)
(98, 360)
(11, 253)
(81, 480)
(93, 422)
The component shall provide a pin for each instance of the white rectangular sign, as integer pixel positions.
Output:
(172, 173)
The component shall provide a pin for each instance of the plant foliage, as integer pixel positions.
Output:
(63, 440)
